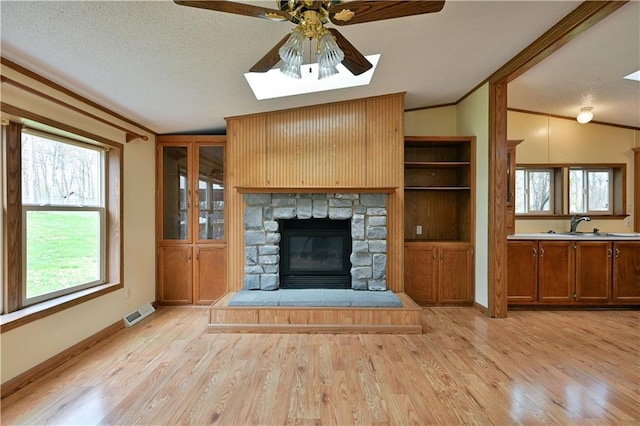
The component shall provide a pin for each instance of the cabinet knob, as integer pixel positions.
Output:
(541, 252)
(533, 252)
(617, 253)
(610, 252)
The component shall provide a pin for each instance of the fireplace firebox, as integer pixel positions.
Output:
(314, 253)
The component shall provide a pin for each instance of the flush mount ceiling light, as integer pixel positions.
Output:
(585, 115)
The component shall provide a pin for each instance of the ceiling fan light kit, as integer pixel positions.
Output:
(585, 115)
(291, 51)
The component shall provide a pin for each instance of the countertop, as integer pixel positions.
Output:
(580, 236)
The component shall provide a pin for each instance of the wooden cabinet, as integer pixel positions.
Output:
(455, 274)
(175, 279)
(439, 199)
(522, 271)
(439, 273)
(626, 272)
(510, 215)
(190, 226)
(556, 271)
(421, 272)
(573, 273)
(593, 271)
(210, 274)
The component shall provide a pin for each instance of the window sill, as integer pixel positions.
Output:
(40, 310)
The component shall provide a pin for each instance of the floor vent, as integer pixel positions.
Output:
(138, 315)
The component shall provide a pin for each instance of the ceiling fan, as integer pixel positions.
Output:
(310, 17)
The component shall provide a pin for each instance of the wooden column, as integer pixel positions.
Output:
(497, 280)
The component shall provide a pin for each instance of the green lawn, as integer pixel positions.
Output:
(62, 250)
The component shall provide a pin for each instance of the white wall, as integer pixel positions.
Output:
(473, 120)
(27, 346)
(431, 122)
(557, 140)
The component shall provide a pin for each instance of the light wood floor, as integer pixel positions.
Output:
(562, 367)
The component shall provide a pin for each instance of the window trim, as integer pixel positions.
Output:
(17, 315)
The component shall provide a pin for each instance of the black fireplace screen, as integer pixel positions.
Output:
(314, 253)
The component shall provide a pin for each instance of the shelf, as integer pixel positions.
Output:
(436, 188)
(435, 164)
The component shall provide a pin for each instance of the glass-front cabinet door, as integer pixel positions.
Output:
(209, 211)
(175, 193)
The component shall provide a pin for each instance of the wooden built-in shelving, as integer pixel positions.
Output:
(439, 219)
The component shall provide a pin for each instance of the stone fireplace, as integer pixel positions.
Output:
(265, 215)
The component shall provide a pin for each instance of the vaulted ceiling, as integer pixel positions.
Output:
(176, 69)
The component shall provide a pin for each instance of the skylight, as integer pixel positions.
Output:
(274, 84)
(633, 76)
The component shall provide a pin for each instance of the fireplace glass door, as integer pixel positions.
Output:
(314, 253)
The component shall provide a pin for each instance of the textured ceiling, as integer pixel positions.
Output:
(177, 69)
(588, 72)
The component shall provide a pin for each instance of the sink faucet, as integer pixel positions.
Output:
(575, 220)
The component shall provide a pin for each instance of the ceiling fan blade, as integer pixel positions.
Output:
(356, 12)
(238, 9)
(353, 60)
(270, 59)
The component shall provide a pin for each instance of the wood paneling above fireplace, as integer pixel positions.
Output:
(355, 144)
(350, 144)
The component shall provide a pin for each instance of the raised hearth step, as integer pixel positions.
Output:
(316, 297)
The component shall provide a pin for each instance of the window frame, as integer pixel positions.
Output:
(552, 187)
(15, 314)
(585, 171)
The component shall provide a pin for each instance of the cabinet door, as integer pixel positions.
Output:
(208, 209)
(455, 274)
(556, 271)
(210, 274)
(420, 273)
(593, 271)
(522, 271)
(626, 272)
(174, 192)
(175, 275)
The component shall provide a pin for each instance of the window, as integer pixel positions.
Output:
(63, 221)
(63, 207)
(534, 191)
(590, 190)
(569, 189)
